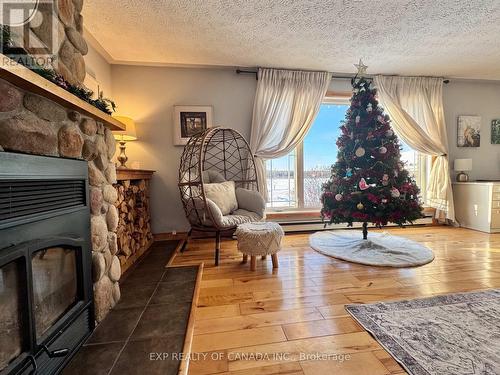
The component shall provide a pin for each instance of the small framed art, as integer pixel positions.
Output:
(469, 131)
(190, 120)
(495, 132)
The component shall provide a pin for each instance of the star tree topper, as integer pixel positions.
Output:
(361, 68)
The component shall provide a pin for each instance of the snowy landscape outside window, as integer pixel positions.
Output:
(294, 181)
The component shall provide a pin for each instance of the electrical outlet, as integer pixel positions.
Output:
(174, 232)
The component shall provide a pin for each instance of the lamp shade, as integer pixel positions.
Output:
(462, 165)
(129, 133)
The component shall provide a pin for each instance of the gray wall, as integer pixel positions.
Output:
(148, 95)
(474, 98)
(97, 64)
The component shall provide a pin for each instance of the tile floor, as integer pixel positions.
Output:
(151, 317)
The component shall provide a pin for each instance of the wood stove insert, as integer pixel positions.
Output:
(46, 309)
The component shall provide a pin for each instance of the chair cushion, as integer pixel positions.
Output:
(210, 176)
(223, 195)
(239, 217)
(251, 200)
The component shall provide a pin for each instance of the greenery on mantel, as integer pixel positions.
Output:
(104, 104)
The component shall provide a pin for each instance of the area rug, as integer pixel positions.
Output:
(380, 249)
(456, 334)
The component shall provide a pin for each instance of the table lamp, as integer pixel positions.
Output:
(461, 166)
(124, 136)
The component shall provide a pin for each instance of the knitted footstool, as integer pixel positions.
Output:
(259, 238)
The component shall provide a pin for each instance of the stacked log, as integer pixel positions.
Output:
(134, 234)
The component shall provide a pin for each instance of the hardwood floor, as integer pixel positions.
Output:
(272, 316)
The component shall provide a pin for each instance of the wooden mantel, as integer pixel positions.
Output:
(24, 78)
(133, 174)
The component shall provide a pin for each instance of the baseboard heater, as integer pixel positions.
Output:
(316, 225)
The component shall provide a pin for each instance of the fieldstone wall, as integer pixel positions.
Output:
(69, 46)
(35, 125)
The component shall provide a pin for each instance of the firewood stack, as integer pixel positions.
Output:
(134, 226)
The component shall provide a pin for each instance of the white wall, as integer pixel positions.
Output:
(474, 98)
(97, 64)
(148, 95)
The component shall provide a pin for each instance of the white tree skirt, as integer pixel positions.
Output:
(380, 249)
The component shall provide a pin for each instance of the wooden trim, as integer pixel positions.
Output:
(176, 251)
(338, 94)
(24, 78)
(293, 215)
(133, 174)
(170, 236)
(188, 340)
(429, 211)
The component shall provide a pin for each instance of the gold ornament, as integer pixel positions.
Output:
(360, 152)
(360, 206)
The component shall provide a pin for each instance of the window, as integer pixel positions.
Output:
(294, 181)
(319, 152)
(418, 165)
(281, 183)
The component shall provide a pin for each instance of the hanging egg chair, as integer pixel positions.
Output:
(210, 160)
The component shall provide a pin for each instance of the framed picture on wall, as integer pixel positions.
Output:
(190, 120)
(495, 132)
(469, 131)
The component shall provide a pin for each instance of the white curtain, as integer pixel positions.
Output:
(286, 104)
(415, 106)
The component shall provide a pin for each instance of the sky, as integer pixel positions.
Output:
(320, 149)
(319, 145)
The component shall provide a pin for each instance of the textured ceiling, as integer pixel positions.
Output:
(453, 38)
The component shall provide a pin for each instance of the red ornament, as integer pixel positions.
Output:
(363, 185)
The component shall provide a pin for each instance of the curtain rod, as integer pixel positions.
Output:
(242, 71)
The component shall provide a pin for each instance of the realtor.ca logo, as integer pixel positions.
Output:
(30, 32)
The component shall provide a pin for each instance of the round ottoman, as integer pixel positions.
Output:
(259, 238)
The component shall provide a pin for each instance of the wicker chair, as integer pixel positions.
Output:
(214, 156)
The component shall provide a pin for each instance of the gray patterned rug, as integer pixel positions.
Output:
(455, 334)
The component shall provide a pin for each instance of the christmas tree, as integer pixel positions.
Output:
(369, 182)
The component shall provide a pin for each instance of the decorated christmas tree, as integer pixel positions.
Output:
(369, 182)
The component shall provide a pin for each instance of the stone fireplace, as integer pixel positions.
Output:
(34, 123)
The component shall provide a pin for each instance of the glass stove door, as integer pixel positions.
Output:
(12, 315)
(55, 285)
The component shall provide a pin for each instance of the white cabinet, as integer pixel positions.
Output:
(477, 205)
